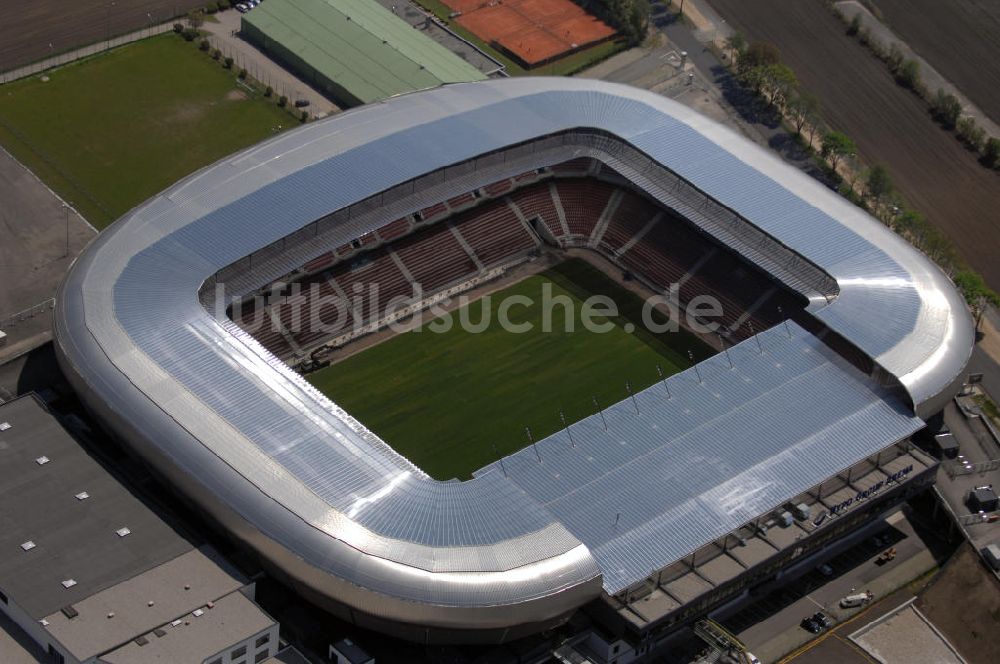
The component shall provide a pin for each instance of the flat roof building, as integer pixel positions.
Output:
(89, 571)
(357, 52)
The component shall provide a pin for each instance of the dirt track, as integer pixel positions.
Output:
(889, 124)
(959, 38)
(27, 27)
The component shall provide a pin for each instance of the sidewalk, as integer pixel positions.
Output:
(224, 35)
(85, 52)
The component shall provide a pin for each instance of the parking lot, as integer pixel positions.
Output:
(770, 625)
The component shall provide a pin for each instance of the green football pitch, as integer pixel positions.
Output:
(445, 399)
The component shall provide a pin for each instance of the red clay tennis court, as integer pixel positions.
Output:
(533, 31)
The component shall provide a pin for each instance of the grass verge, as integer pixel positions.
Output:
(110, 131)
(444, 400)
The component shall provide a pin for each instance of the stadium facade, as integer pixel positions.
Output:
(649, 483)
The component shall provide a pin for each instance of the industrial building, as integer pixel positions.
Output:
(657, 509)
(91, 573)
(354, 51)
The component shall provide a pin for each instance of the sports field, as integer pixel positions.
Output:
(534, 31)
(111, 131)
(443, 400)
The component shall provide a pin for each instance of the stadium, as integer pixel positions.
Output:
(838, 340)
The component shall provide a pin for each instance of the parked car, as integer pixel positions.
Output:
(810, 625)
(825, 570)
(822, 619)
(242, 8)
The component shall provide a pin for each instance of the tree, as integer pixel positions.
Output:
(196, 18)
(908, 74)
(991, 152)
(759, 54)
(946, 109)
(282, 101)
(736, 44)
(855, 25)
(977, 294)
(878, 183)
(637, 21)
(971, 134)
(269, 92)
(835, 147)
(228, 63)
(780, 81)
(895, 57)
(803, 108)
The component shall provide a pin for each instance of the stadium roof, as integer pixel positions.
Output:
(73, 538)
(325, 499)
(673, 473)
(360, 45)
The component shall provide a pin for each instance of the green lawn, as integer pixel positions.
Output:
(444, 399)
(111, 131)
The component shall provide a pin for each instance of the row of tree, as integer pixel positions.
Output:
(629, 17)
(945, 107)
(759, 69)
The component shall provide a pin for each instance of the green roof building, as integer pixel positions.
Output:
(355, 51)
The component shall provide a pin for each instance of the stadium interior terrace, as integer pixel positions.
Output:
(460, 243)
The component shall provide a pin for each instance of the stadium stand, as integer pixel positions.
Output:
(583, 201)
(450, 247)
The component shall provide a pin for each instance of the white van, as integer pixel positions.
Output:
(859, 599)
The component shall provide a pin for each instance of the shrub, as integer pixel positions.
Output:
(946, 109)
(895, 57)
(971, 134)
(223, 5)
(303, 116)
(211, 9)
(282, 101)
(216, 54)
(269, 91)
(855, 25)
(909, 74)
(242, 74)
(228, 62)
(204, 45)
(991, 152)
(178, 28)
(190, 34)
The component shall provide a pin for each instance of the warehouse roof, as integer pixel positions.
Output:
(61, 512)
(361, 46)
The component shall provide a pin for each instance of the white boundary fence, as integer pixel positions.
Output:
(81, 53)
(27, 314)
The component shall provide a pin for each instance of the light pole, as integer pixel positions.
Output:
(108, 43)
(66, 218)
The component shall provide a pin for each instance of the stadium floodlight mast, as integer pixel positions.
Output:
(725, 349)
(753, 334)
(628, 388)
(663, 378)
(696, 369)
(599, 410)
(788, 330)
(531, 440)
(500, 459)
(562, 416)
